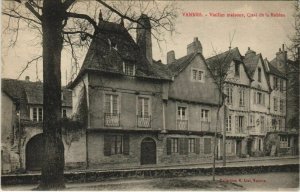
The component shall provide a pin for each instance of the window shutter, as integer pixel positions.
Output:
(181, 146)
(185, 146)
(126, 144)
(207, 145)
(233, 146)
(236, 123)
(168, 146)
(197, 145)
(107, 145)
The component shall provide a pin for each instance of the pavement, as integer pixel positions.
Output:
(240, 162)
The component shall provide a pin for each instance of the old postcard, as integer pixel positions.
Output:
(150, 95)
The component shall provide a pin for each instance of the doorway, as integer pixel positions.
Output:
(148, 151)
(34, 153)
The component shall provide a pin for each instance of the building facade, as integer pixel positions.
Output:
(21, 126)
(140, 111)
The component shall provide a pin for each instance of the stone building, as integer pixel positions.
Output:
(141, 111)
(21, 125)
(259, 103)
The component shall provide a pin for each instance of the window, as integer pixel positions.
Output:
(237, 69)
(228, 123)
(279, 124)
(275, 104)
(143, 107)
(251, 120)
(229, 95)
(64, 113)
(191, 145)
(197, 75)
(259, 74)
(116, 144)
(281, 105)
(111, 104)
(129, 69)
(181, 113)
(207, 145)
(229, 146)
(275, 83)
(240, 123)
(174, 145)
(259, 98)
(37, 114)
(262, 121)
(242, 97)
(284, 142)
(34, 114)
(260, 144)
(281, 85)
(205, 115)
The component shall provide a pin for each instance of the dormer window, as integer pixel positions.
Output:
(259, 74)
(197, 75)
(237, 69)
(129, 69)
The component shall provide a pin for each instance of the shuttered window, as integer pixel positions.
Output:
(207, 145)
(143, 106)
(192, 145)
(111, 104)
(172, 145)
(116, 144)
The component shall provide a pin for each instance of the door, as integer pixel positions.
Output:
(239, 148)
(148, 151)
(249, 147)
(34, 153)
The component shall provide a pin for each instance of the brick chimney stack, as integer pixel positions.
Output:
(281, 57)
(143, 36)
(194, 47)
(170, 57)
(27, 78)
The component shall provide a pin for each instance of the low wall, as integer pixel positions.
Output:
(91, 176)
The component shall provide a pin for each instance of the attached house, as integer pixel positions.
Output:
(259, 101)
(140, 111)
(237, 91)
(284, 105)
(21, 125)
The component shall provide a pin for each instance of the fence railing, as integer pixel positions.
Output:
(182, 124)
(143, 122)
(112, 119)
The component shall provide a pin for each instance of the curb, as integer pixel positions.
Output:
(92, 176)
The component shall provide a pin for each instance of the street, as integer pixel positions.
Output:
(264, 181)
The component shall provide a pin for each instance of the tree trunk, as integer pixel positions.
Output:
(224, 135)
(53, 163)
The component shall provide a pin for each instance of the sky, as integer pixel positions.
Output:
(262, 34)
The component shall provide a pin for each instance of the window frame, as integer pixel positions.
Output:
(191, 145)
(174, 145)
(118, 107)
(208, 118)
(242, 97)
(196, 73)
(229, 122)
(143, 97)
(126, 66)
(259, 74)
(229, 98)
(35, 114)
(179, 116)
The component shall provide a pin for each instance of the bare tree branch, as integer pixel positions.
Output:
(28, 64)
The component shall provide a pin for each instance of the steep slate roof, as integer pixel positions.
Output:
(251, 61)
(180, 64)
(31, 91)
(227, 57)
(113, 46)
(275, 71)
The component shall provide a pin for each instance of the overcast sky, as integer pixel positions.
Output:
(263, 34)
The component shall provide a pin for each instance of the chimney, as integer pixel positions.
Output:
(194, 47)
(281, 57)
(143, 36)
(170, 57)
(27, 78)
